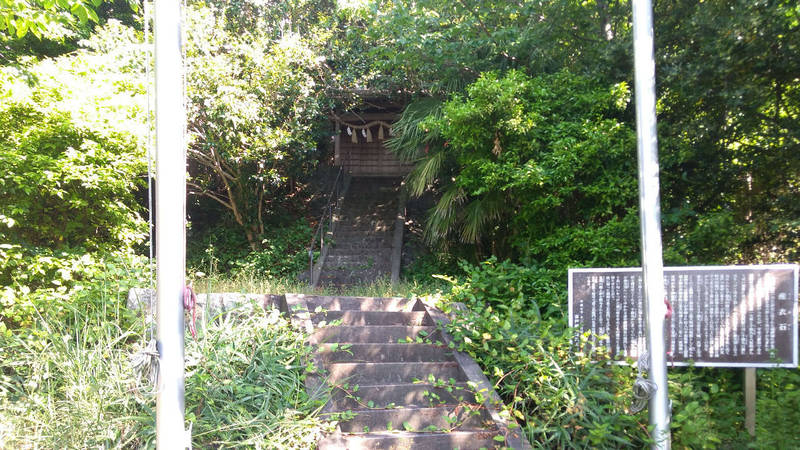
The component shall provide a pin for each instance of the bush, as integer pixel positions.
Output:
(283, 252)
(71, 145)
(523, 292)
(557, 384)
(540, 167)
(38, 280)
(778, 408)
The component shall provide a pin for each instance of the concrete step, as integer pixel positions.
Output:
(364, 318)
(377, 190)
(372, 222)
(365, 261)
(332, 353)
(462, 440)
(363, 271)
(376, 251)
(369, 202)
(360, 233)
(371, 374)
(419, 419)
(400, 394)
(371, 244)
(343, 277)
(344, 233)
(383, 334)
(333, 303)
(406, 395)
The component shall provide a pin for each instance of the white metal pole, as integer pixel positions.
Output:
(170, 226)
(650, 214)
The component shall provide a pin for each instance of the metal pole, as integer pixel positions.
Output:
(650, 214)
(170, 227)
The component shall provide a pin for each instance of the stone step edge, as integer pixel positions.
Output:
(458, 417)
(460, 394)
(508, 427)
(459, 385)
(405, 439)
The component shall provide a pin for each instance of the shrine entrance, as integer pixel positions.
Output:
(359, 145)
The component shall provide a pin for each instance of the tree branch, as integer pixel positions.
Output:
(209, 194)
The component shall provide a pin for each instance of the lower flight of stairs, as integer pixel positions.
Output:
(395, 381)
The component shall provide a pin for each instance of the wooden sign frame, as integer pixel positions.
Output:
(722, 316)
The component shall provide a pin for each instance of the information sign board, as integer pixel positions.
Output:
(723, 316)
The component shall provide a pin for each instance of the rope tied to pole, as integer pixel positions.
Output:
(190, 304)
(643, 389)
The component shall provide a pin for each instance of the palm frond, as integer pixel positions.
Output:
(473, 222)
(424, 173)
(479, 214)
(409, 138)
(445, 214)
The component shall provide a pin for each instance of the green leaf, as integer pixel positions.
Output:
(21, 28)
(81, 11)
(92, 15)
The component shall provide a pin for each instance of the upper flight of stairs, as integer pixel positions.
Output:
(395, 382)
(363, 239)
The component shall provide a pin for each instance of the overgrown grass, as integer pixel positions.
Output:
(68, 383)
(245, 383)
(249, 283)
(67, 380)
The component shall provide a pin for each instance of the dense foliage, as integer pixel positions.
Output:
(71, 140)
(282, 254)
(532, 167)
(730, 106)
(727, 103)
(45, 18)
(520, 122)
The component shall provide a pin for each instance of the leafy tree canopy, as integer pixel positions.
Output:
(529, 165)
(727, 87)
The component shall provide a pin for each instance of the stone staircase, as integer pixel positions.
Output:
(364, 236)
(395, 381)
